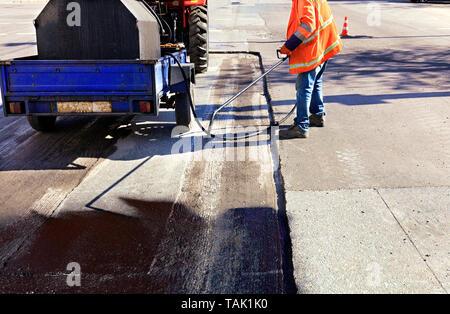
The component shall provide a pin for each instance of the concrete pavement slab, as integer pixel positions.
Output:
(424, 214)
(398, 144)
(348, 242)
(387, 128)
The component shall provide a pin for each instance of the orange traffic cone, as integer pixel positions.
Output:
(345, 29)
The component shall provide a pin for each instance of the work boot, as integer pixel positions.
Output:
(293, 132)
(317, 120)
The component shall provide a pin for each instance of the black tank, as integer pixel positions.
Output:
(97, 29)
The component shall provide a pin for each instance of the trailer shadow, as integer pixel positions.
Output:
(115, 250)
(22, 148)
(158, 247)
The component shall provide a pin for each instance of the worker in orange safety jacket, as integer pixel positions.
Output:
(313, 39)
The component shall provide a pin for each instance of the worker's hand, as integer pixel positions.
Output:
(285, 51)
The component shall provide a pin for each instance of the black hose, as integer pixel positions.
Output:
(170, 30)
(154, 15)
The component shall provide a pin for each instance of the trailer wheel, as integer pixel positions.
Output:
(199, 38)
(183, 113)
(42, 123)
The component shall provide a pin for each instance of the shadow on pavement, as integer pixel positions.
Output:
(162, 248)
(363, 100)
(401, 69)
(115, 251)
(21, 148)
(358, 99)
(19, 44)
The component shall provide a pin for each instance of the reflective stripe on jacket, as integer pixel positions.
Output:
(312, 22)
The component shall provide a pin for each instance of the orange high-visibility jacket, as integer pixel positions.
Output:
(313, 23)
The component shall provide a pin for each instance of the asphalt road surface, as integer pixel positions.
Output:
(360, 206)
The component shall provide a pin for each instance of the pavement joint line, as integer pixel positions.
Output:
(412, 242)
(287, 260)
(290, 285)
(287, 268)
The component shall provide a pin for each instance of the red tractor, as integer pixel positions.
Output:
(185, 21)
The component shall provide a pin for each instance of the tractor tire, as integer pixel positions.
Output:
(199, 38)
(183, 112)
(42, 123)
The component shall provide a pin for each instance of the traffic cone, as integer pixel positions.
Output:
(345, 29)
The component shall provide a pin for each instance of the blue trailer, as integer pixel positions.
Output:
(42, 90)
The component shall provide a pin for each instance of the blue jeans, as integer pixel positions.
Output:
(309, 96)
